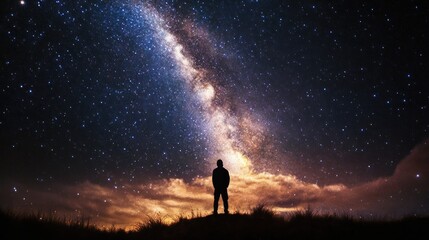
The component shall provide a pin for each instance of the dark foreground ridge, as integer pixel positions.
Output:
(260, 224)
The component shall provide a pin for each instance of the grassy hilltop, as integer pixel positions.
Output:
(261, 223)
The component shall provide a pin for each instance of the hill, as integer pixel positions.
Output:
(260, 224)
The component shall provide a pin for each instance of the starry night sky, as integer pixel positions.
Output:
(339, 90)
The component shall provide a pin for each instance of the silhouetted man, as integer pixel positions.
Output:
(220, 180)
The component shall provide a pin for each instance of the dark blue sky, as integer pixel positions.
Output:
(341, 88)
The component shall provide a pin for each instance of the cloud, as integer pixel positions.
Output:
(405, 192)
(130, 204)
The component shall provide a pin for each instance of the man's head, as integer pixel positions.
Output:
(219, 163)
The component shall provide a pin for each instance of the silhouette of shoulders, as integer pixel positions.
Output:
(220, 177)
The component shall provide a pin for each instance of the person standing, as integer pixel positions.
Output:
(220, 179)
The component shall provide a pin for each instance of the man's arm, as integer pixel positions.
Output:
(227, 179)
(213, 179)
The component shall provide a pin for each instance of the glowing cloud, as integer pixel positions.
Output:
(170, 198)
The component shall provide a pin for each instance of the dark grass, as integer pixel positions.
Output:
(260, 223)
(48, 226)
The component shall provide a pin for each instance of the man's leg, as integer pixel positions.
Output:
(225, 200)
(216, 201)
